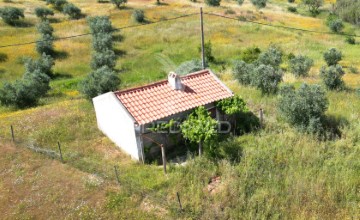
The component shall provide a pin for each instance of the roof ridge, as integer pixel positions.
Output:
(159, 83)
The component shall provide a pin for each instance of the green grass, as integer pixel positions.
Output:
(281, 173)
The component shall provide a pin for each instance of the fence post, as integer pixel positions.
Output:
(163, 157)
(117, 174)
(12, 133)
(261, 115)
(61, 156)
(178, 197)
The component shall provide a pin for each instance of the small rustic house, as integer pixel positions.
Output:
(124, 115)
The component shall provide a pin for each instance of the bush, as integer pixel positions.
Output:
(45, 28)
(272, 57)
(99, 82)
(250, 54)
(139, 16)
(240, 2)
(72, 11)
(259, 3)
(45, 44)
(336, 25)
(291, 1)
(353, 70)
(58, 4)
(208, 52)
(243, 72)
(3, 57)
(118, 3)
(189, 67)
(313, 6)
(11, 14)
(332, 77)
(332, 56)
(267, 78)
(102, 42)
(300, 65)
(106, 58)
(303, 108)
(292, 9)
(43, 12)
(348, 10)
(214, 3)
(44, 65)
(350, 40)
(100, 24)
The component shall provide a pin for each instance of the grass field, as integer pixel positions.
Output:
(279, 174)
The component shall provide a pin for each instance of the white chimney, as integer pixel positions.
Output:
(175, 81)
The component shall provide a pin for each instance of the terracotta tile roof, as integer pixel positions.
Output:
(159, 100)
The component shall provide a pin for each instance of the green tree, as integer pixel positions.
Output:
(45, 44)
(332, 56)
(213, 2)
(243, 72)
(313, 6)
(100, 24)
(11, 15)
(336, 25)
(304, 108)
(139, 15)
(44, 28)
(57, 4)
(119, 3)
(199, 127)
(43, 12)
(267, 78)
(272, 56)
(300, 65)
(259, 3)
(99, 82)
(72, 11)
(44, 64)
(332, 77)
(102, 42)
(207, 51)
(105, 58)
(250, 54)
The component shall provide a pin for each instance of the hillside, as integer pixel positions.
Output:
(277, 172)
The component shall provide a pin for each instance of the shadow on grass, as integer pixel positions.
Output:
(21, 24)
(3, 57)
(119, 53)
(118, 38)
(332, 127)
(61, 76)
(60, 55)
(54, 20)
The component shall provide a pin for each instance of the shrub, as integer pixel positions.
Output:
(250, 54)
(102, 42)
(139, 16)
(233, 105)
(230, 12)
(266, 78)
(291, 1)
(353, 69)
(214, 3)
(43, 12)
(207, 51)
(100, 24)
(11, 14)
(350, 40)
(292, 9)
(332, 56)
(72, 11)
(189, 67)
(303, 108)
(45, 44)
(58, 4)
(336, 25)
(243, 72)
(45, 28)
(259, 3)
(99, 82)
(313, 6)
(106, 58)
(300, 65)
(332, 77)
(118, 3)
(240, 2)
(348, 10)
(272, 57)
(3, 57)
(44, 65)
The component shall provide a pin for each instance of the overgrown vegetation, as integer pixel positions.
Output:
(11, 15)
(300, 65)
(46, 43)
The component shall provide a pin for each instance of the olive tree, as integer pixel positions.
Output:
(213, 2)
(199, 127)
(72, 11)
(243, 72)
(44, 64)
(119, 3)
(259, 3)
(43, 12)
(332, 77)
(300, 65)
(303, 108)
(313, 5)
(105, 58)
(267, 78)
(332, 56)
(99, 82)
(272, 56)
(11, 14)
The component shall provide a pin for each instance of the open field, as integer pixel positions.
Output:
(278, 172)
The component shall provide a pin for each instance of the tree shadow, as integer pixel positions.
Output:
(120, 53)
(21, 24)
(3, 57)
(332, 126)
(54, 20)
(118, 38)
(161, 3)
(60, 55)
(61, 76)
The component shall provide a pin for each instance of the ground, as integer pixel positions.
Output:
(279, 173)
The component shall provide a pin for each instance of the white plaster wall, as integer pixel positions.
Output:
(116, 123)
